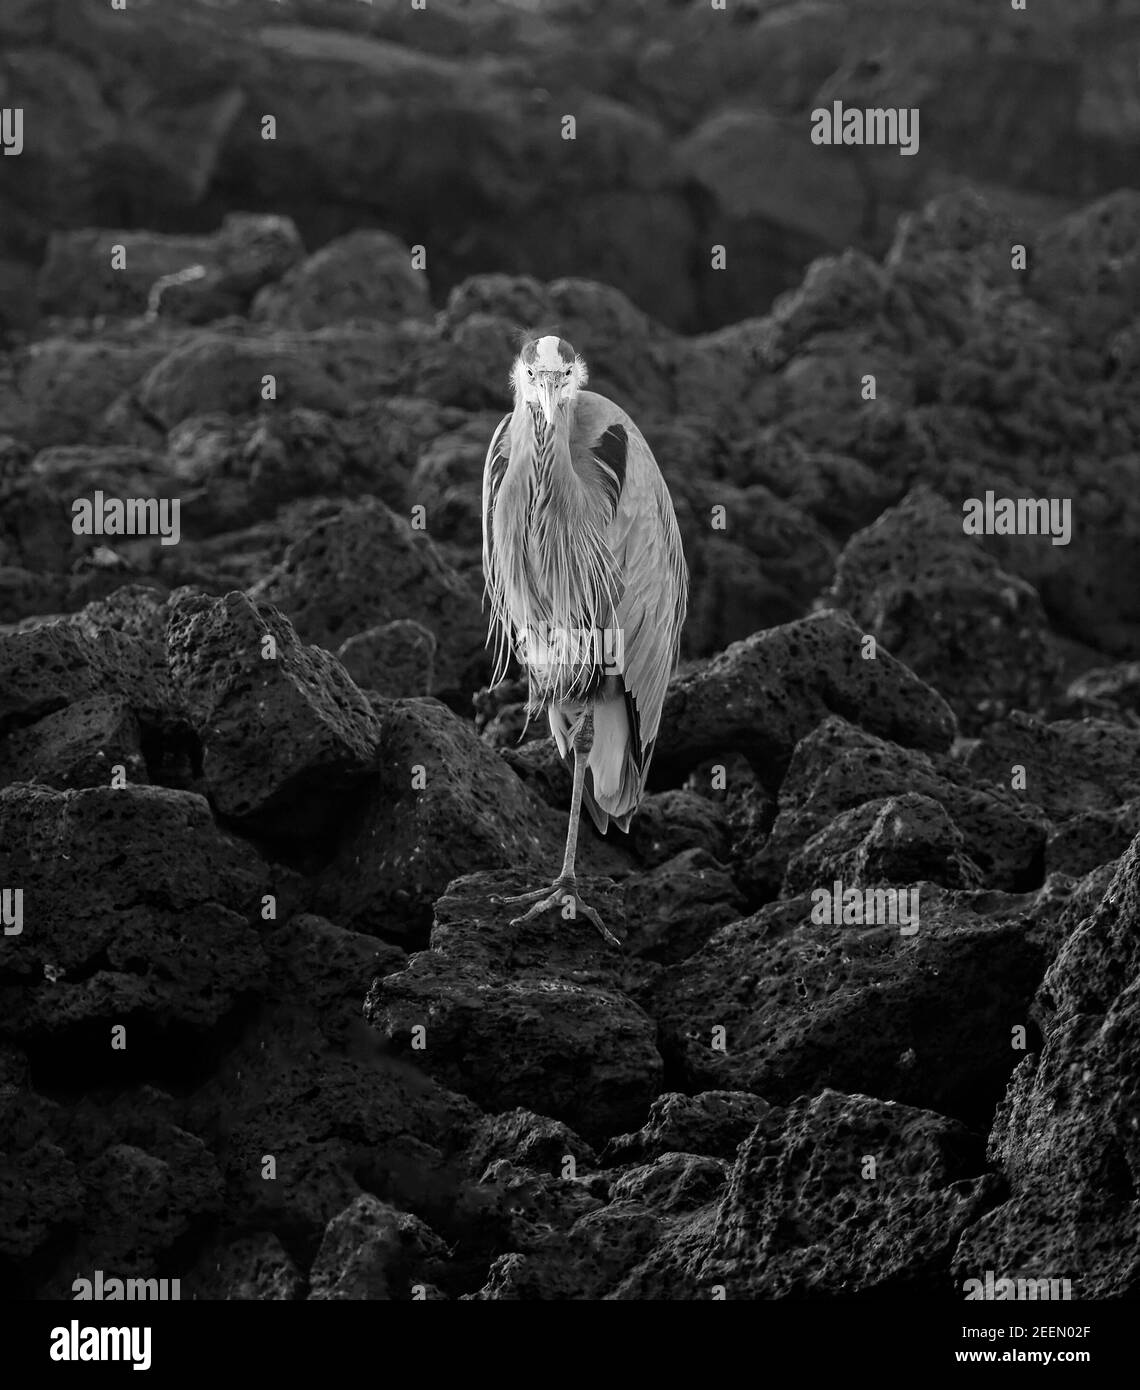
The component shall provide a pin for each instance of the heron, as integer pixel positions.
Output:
(587, 587)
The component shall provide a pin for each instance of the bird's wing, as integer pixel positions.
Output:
(645, 541)
(494, 466)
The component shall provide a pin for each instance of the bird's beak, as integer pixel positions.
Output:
(547, 397)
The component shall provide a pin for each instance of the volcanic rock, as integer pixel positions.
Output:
(580, 1050)
(762, 695)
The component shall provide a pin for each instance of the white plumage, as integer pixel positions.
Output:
(586, 579)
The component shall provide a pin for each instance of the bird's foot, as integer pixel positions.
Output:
(528, 897)
(563, 895)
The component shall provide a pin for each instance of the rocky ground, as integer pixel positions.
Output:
(151, 116)
(264, 1025)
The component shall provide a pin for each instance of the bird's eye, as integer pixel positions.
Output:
(567, 371)
(530, 373)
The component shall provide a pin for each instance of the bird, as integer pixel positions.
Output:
(586, 585)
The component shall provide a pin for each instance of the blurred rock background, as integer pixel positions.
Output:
(438, 126)
(145, 903)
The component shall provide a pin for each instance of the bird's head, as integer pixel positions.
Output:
(547, 375)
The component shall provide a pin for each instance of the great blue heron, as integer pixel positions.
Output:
(587, 586)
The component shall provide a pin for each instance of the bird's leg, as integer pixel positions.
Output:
(583, 742)
(565, 887)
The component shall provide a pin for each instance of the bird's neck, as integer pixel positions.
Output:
(547, 444)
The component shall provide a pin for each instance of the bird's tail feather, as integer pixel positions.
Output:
(615, 784)
(600, 818)
(616, 779)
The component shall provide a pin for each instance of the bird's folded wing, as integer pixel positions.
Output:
(646, 545)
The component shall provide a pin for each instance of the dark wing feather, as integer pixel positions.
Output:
(610, 453)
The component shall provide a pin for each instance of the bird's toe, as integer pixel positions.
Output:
(547, 901)
(591, 916)
(525, 897)
(563, 898)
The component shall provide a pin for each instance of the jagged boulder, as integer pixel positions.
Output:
(579, 1047)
